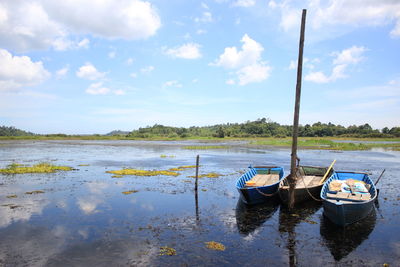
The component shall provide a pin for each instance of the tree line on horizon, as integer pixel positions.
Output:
(259, 128)
(263, 128)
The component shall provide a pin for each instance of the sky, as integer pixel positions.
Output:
(86, 67)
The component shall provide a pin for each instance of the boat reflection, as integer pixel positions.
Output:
(249, 218)
(289, 219)
(341, 241)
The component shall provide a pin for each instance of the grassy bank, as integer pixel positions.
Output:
(303, 142)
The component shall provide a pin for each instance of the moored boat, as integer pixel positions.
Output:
(348, 197)
(308, 186)
(259, 183)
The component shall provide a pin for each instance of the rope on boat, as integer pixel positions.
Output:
(266, 195)
(305, 186)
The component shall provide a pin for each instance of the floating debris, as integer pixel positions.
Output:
(11, 196)
(143, 172)
(130, 192)
(215, 246)
(43, 167)
(167, 251)
(35, 192)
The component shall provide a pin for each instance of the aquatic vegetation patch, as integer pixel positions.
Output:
(130, 192)
(82, 165)
(117, 176)
(167, 251)
(143, 172)
(208, 175)
(34, 192)
(182, 168)
(204, 147)
(11, 196)
(215, 246)
(167, 156)
(11, 206)
(43, 167)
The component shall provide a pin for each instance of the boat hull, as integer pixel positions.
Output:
(261, 194)
(300, 194)
(345, 213)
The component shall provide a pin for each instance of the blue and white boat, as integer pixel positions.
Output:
(348, 197)
(259, 183)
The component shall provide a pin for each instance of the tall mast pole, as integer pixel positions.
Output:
(293, 165)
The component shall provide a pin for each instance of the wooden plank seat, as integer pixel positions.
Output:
(262, 180)
(309, 181)
(355, 197)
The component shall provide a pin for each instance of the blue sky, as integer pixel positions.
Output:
(96, 66)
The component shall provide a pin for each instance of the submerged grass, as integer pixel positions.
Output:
(215, 246)
(143, 172)
(43, 167)
(130, 192)
(167, 251)
(321, 143)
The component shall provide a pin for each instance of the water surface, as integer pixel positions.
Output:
(82, 218)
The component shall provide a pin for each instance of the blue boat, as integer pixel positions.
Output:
(349, 203)
(259, 184)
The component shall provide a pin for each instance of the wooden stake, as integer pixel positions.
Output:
(293, 167)
(197, 173)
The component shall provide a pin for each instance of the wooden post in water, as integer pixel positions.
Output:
(293, 166)
(196, 196)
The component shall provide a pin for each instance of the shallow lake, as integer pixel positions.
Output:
(82, 218)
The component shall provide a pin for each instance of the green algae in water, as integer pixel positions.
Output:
(130, 192)
(182, 168)
(143, 172)
(167, 156)
(117, 176)
(82, 165)
(215, 246)
(11, 196)
(208, 175)
(43, 167)
(167, 251)
(34, 192)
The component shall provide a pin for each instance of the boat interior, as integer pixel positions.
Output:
(262, 180)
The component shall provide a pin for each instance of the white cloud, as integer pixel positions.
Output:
(133, 75)
(253, 73)
(147, 69)
(247, 61)
(186, 51)
(230, 82)
(20, 71)
(112, 54)
(84, 43)
(343, 59)
(206, 17)
(97, 89)
(201, 31)
(232, 58)
(244, 3)
(62, 72)
(89, 72)
(172, 84)
(40, 24)
(100, 89)
(129, 61)
(328, 16)
(292, 65)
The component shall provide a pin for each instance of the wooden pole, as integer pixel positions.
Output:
(196, 196)
(293, 167)
(197, 173)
